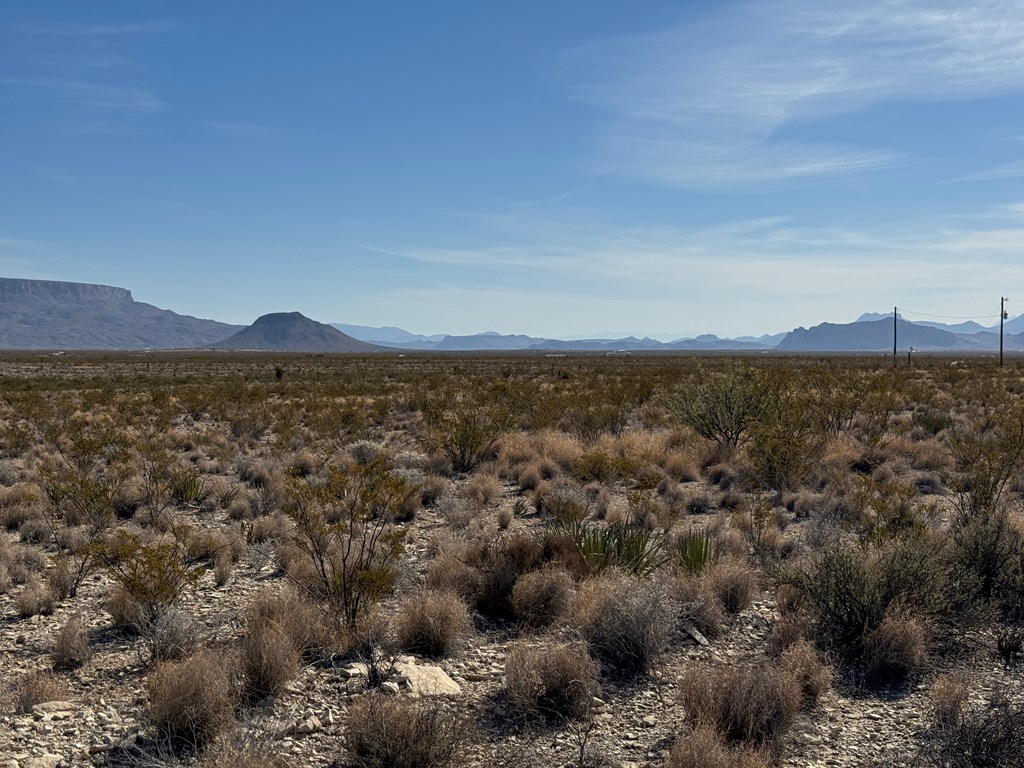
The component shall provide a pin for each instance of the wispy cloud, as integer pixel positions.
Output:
(99, 30)
(125, 99)
(714, 102)
(58, 176)
(1013, 170)
(83, 67)
(240, 130)
(786, 272)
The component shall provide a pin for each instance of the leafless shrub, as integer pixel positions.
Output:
(992, 735)
(398, 733)
(552, 681)
(751, 705)
(173, 635)
(223, 565)
(71, 646)
(190, 701)
(627, 621)
(432, 623)
(542, 597)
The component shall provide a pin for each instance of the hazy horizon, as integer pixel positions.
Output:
(736, 168)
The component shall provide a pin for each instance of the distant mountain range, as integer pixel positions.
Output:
(45, 314)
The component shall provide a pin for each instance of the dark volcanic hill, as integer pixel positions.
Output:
(293, 332)
(46, 314)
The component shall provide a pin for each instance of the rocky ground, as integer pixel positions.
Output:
(99, 718)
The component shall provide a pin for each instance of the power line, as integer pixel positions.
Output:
(948, 317)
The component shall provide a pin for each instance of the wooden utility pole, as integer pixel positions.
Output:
(894, 337)
(1002, 317)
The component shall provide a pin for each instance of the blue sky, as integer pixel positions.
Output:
(558, 169)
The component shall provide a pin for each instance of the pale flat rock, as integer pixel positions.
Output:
(426, 679)
(43, 761)
(53, 707)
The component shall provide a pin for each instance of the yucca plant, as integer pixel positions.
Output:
(188, 488)
(697, 549)
(636, 550)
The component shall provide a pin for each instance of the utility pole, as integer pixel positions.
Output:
(1002, 317)
(894, 337)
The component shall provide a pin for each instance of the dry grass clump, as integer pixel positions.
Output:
(698, 603)
(703, 747)
(71, 645)
(302, 622)
(432, 623)
(749, 705)
(125, 613)
(481, 489)
(896, 649)
(552, 681)
(681, 467)
(275, 527)
(35, 598)
(191, 701)
(36, 687)
(948, 695)
(269, 659)
(540, 598)
(399, 733)
(627, 621)
(173, 635)
(806, 665)
(734, 584)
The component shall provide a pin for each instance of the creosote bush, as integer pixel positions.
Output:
(552, 681)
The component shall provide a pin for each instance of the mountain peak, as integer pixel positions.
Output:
(292, 332)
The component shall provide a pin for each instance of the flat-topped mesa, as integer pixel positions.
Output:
(20, 291)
